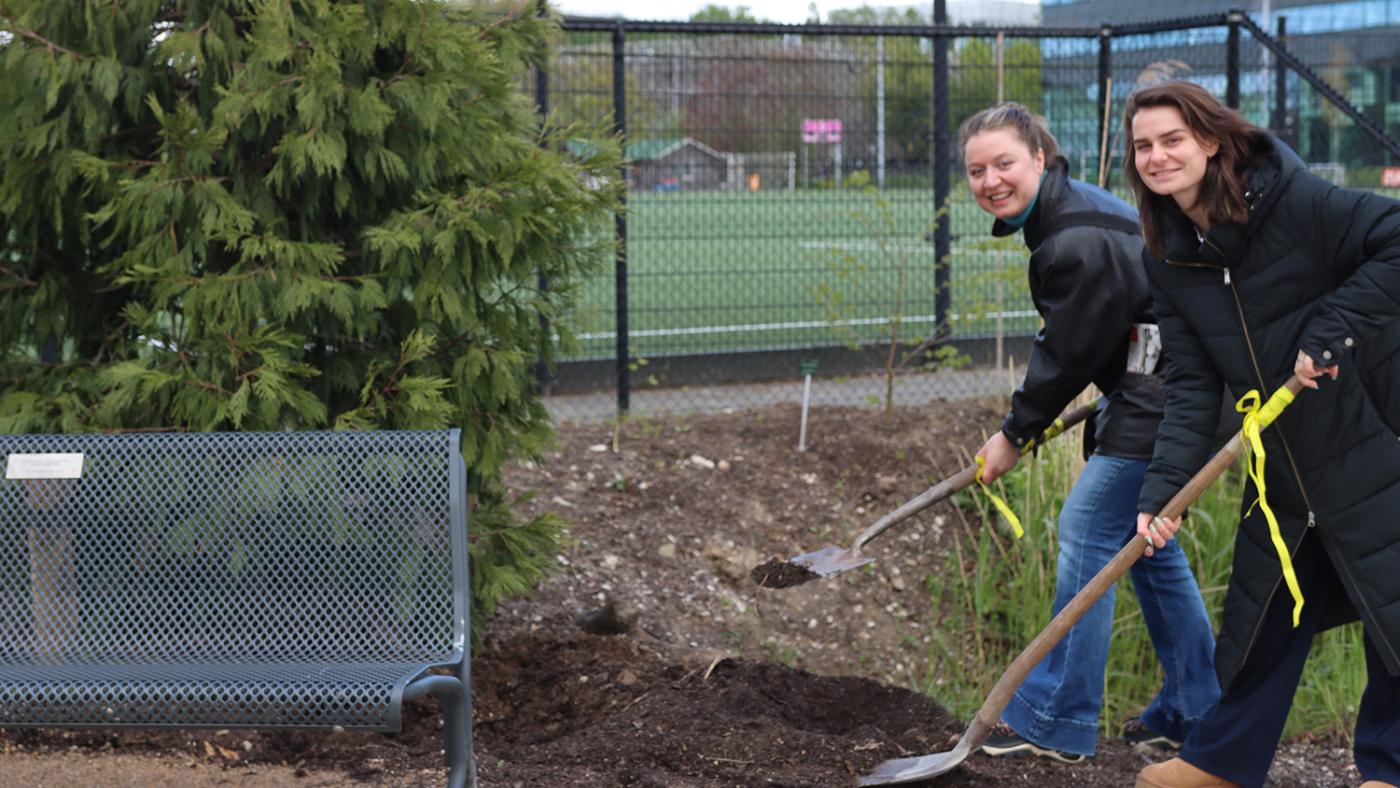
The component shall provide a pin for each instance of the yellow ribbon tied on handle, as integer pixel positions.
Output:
(1256, 419)
(1056, 427)
(997, 501)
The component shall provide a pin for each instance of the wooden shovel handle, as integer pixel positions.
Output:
(965, 477)
(1060, 625)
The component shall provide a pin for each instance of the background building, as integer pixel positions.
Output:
(1352, 44)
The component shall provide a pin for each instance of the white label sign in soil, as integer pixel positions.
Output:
(44, 466)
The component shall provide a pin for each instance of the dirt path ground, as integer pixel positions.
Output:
(708, 680)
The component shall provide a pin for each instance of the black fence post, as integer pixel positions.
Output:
(624, 392)
(1280, 110)
(942, 165)
(1105, 75)
(1232, 59)
(542, 376)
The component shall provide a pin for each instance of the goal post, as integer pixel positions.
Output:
(761, 171)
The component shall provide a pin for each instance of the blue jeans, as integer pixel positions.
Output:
(1058, 705)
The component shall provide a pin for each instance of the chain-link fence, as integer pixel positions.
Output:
(784, 182)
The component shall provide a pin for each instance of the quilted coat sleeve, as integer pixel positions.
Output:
(1358, 235)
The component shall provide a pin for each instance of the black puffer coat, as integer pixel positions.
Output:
(1087, 283)
(1316, 268)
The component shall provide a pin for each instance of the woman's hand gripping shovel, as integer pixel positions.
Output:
(904, 770)
(832, 560)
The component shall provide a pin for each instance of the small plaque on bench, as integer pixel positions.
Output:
(44, 466)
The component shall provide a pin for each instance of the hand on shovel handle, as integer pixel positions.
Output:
(1156, 530)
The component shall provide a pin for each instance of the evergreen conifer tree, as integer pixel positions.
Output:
(292, 214)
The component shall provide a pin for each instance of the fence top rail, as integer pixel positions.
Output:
(595, 24)
(1174, 24)
(587, 24)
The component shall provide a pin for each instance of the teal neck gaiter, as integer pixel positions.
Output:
(1020, 221)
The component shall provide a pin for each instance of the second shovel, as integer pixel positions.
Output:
(832, 560)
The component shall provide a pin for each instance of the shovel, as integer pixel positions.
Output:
(904, 770)
(832, 560)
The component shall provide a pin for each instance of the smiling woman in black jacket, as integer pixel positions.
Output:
(1087, 283)
(1261, 270)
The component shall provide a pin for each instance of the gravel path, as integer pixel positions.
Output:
(862, 391)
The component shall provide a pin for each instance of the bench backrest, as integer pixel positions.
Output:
(276, 547)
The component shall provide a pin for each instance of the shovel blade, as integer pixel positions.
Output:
(923, 767)
(908, 770)
(832, 560)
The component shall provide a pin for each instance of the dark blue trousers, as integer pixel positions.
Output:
(1236, 740)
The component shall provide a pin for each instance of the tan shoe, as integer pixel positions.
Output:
(1376, 784)
(1177, 773)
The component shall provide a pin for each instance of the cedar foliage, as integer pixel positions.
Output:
(292, 214)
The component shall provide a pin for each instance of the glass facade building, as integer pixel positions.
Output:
(1354, 45)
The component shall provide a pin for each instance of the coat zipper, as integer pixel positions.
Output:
(1254, 361)
(1288, 453)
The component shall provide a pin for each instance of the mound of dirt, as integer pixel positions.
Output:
(813, 682)
(597, 711)
(591, 711)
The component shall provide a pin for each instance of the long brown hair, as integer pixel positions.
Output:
(1222, 188)
(1029, 127)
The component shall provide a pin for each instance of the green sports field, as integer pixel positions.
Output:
(718, 272)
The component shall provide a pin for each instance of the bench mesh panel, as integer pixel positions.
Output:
(249, 579)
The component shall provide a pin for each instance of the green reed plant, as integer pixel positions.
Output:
(995, 593)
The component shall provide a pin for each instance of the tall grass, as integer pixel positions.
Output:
(995, 594)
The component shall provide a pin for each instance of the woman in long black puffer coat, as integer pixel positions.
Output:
(1260, 270)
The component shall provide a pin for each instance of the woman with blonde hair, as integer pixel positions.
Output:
(1087, 283)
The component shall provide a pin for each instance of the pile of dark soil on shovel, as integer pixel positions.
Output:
(781, 573)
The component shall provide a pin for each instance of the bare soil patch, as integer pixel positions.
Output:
(708, 679)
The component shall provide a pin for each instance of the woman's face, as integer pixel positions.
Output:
(1002, 173)
(1168, 156)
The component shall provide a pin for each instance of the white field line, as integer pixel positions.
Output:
(867, 245)
(756, 327)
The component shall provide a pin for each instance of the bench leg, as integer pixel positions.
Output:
(455, 697)
(457, 731)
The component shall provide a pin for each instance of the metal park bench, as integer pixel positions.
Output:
(235, 580)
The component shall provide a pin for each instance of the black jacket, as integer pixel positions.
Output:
(1316, 268)
(1088, 285)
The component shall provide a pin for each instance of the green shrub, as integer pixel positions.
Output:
(232, 215)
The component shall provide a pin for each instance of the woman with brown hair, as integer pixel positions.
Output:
(1260, 270)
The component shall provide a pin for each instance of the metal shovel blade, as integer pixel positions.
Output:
(908, 770)
(832, 560)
